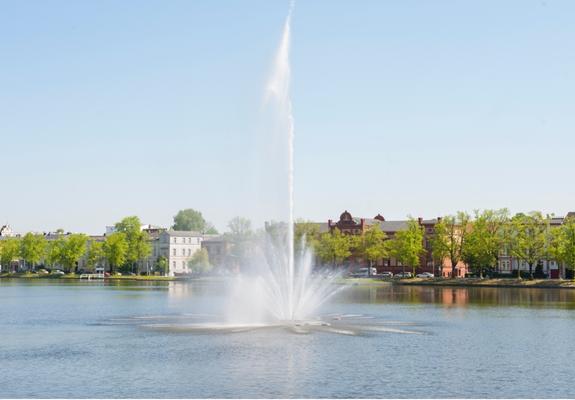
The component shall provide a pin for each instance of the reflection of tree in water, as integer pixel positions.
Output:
(462, 296)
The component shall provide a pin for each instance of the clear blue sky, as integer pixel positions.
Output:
(115, 108)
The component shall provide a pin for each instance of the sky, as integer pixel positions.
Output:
(423, 108)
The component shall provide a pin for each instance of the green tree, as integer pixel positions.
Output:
(563, 244)
(485, 240)
(450, 238)
(200, 262)
(32, 248)
(53, 252)
(94, 254)
(138, 241)
(372, 245)
(306, 234)
(192, 220)
(115, 249)
(9, 252)
(407, 245)
(527, 239)
(73, 247)
(334, 247)
(162, 265)
(240, 236)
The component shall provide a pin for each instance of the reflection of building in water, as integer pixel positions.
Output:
(454, 296)
(179, 290)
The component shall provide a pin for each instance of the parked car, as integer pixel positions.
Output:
(403, 275)
(386, 274)
(425, 275)
(363, 273)
(58, 272)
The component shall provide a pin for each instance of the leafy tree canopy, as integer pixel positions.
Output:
(192, 220)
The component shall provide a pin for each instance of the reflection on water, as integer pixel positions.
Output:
(461, 297)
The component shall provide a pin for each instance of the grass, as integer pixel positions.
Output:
(29, 275)
(498, 282)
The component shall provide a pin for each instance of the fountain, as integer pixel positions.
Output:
(285, 287)
(281, 288)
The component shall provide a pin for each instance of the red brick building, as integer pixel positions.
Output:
(350, 225)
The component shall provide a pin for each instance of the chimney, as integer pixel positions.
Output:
(329, 223)
(438, 219)
(420, 221)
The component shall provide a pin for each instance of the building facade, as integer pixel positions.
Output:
(177, 247)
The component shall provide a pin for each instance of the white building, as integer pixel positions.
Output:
(178, 247)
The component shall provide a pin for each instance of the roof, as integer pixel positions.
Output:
(172, 233)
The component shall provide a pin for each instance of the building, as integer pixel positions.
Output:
(350, 225)
(6, 231)
(219, 250)
(509, 265)
(178, 248)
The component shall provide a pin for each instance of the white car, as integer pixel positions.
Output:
(403, 275)
(425, 275)
(386, 274)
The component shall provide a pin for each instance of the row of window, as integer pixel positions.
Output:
(189, 251)
(184, 240)
(184, 266)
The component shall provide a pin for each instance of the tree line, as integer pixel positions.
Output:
(127, 245)
(478, 240)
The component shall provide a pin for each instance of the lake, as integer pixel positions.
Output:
(78, 339)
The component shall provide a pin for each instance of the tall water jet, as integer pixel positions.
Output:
(278, 91)
(278, 286)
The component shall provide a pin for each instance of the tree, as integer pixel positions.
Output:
(240, 227)
(485, 239)
(94, 254)
(115, 249)
(200, 262)
(407, 245)
(334, 247)
(306, 234)
(563, 243)
(9, 252)
(450, 237)
(53, 251)
(527, 239)
(162, 265)
(240, 236)
(32, 248)
(372, 245)
(73, 247)
(138, 242)
(192, 220)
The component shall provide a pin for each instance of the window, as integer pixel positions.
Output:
(174, 264)
(183, 265)
(174, 252)
(175, 240)
(189, 252)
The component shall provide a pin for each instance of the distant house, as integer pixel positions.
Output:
(218, 249)
(350, 225)
(178, 247)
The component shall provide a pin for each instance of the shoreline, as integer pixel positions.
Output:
(491, 283)
(434, 282)
(74, 277)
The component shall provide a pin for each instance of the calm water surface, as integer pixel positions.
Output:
(60, 339)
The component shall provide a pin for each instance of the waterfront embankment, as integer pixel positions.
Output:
(499, 282)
